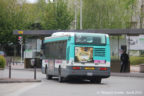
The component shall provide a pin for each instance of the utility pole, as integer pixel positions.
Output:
(142, 14)
(81, 15)
(35, 65)
(21, 52)
(75, 14)
(21, 43)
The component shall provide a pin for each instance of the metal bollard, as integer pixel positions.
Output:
(35, 69)
(33, 63)
(10, 68)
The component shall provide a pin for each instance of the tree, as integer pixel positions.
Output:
(99, 14)
(13, 16)
(19, 15)
(56, 15)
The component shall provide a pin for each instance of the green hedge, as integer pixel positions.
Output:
(134, 60)
(2, 62)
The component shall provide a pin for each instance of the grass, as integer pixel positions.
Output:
(134, 60)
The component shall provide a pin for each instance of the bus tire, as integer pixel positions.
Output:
(92, 80)
(48, 77)
(96, 80)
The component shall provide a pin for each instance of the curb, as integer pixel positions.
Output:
(137, 75)
(2, 68)
(14, 80)
(28, 69)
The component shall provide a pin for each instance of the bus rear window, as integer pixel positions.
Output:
(90, 39)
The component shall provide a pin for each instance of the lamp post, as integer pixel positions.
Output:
(81, 15)
(76, 5)
(75, 14)
(21, 43)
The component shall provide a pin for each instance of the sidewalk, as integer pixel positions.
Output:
(131, 74)
(19, 76)
(134, 72)
(16, 80)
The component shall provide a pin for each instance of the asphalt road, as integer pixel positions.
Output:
(121, 86)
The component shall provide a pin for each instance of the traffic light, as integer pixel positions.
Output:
(20, 38)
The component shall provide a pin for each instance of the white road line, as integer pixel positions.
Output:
(26, 88)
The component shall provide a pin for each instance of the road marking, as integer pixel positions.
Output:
(26, 88)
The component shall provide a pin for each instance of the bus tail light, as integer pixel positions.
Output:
(76, 68)
(103, 69)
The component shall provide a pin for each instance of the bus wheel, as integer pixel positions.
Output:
(60, 78)
(92, 80)
(96, 80)
(48, 77)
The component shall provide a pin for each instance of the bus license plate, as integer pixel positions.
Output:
(89, 68)
(89, 74)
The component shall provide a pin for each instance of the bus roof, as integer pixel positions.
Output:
(72, 33)
(64, 34)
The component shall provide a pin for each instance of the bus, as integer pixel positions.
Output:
(76, 55)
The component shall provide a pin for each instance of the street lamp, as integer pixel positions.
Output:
(20, 38)
(76, 14)
(81, 14)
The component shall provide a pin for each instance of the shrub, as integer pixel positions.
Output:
(2, 62)
(134, 60)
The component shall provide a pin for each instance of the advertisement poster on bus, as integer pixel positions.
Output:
(83, 54)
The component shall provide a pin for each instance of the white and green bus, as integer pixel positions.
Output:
(77, 55)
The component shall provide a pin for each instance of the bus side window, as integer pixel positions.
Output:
(68, 49)
(64, 50)
(46, 50)
(59, 50)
